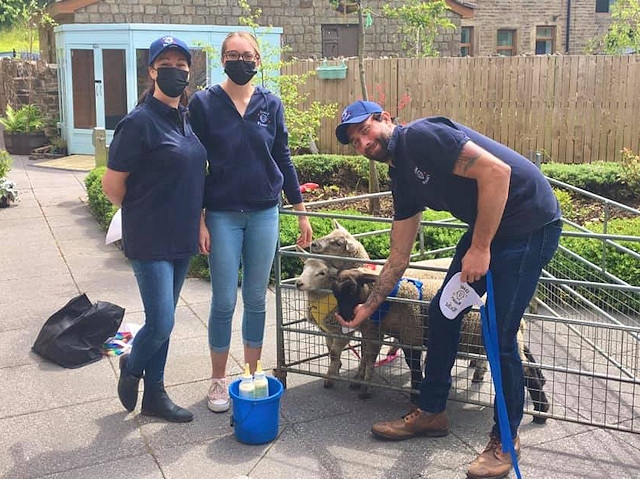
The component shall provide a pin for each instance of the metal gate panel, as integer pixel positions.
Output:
(583, 331)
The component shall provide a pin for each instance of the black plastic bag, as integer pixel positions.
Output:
(73, 336)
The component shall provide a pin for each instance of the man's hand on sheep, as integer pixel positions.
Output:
(360, 314)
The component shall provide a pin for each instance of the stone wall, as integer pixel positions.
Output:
(301, 21)
(25, 82)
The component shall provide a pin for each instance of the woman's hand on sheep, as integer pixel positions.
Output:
(306, 233)
(360, 314)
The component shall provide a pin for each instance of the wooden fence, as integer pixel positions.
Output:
(574, 109)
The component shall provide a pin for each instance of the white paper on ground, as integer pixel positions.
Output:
(114, 233)
(457, 296)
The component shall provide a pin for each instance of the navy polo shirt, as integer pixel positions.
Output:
(166, 164)
(424, 154)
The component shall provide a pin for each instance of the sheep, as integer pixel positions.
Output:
(316, 279)
(339, 242)
(405, 322)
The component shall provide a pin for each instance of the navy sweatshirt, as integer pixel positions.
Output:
(248, 157)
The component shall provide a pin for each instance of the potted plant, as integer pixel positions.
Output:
(8, 191)
(23, 129)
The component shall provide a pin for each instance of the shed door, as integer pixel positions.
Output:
(99, 86)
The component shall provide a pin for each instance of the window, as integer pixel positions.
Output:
(339, 41)
(466, 42)
(603, 6)
(506, 43)
(545, 40)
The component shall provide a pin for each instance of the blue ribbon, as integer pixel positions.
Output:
(490, 334)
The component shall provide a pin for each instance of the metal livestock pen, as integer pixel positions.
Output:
(583, 328)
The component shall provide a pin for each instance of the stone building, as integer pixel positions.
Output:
(530, 27)
(315, 29)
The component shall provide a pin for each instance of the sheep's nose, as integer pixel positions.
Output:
(314, 244)
(298, 284)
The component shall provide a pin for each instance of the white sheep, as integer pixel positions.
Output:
(408, 322)
(315, 280)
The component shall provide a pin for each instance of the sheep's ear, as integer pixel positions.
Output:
(338, 226)
(367, 275)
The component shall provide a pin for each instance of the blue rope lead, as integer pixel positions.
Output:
(490, 333)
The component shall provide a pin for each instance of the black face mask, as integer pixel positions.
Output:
(239, 71)
(172, 81)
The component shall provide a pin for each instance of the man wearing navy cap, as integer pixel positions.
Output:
(514, 229)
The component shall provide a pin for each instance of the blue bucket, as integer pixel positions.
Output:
(256, 420)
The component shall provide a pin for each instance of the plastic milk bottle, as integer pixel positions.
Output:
(260, 382)
(246, 387)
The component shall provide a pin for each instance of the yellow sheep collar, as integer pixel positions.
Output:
(320, 308)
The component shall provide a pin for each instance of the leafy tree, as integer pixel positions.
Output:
(623, 35)
(420, 22)
(27, 16)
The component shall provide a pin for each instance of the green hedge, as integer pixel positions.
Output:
(345, 171)
(351, 172)
(604, 179)
(100, 206)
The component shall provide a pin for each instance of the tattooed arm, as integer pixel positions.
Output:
(492, 176)
(403, 235)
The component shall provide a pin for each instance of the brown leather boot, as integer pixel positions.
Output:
(493, 463)
(416, 423)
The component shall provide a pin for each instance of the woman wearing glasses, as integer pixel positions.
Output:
(242, 127)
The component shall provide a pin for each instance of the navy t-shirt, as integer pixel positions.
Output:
(424, 154)
(163, 202)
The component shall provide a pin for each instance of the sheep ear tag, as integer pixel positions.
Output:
(457, 296)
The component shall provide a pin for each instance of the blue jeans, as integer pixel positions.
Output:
(248, 239)
(160, 283)
(516, 264)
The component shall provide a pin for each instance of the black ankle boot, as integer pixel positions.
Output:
(127, 385)
(156, 402)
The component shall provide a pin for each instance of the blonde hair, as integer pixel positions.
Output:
(245, 36)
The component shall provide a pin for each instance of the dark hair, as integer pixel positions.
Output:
(378, 117)
(151, 88)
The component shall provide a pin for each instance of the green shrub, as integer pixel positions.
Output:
(351, 172)
(5, 163)
(618, 263)
(99, 204)
(604, 179)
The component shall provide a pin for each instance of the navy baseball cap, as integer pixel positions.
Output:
(355, 113)
(162, 43)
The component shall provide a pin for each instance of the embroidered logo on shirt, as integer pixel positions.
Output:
(263, 118)
(422, 175)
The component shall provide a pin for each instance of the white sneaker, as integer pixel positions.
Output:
(218, 396)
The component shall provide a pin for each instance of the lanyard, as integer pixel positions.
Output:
(490, 334)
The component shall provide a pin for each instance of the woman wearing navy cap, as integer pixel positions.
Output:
(242, 127)
(155, 173)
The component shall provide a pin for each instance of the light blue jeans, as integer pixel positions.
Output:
(248, 239)
(160, 283)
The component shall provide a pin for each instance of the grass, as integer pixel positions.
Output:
(11, 37)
